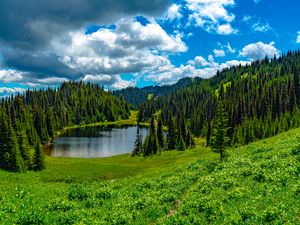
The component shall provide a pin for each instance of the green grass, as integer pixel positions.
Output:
(257, 184)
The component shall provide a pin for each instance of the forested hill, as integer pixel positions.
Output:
(136, 96)
(260, 100)
(33, 118)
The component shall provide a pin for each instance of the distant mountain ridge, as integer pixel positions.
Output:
(136, 96)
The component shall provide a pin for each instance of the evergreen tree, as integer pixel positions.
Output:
(25, 149)
(181, 146)
(151, 145)
(16, 163)
(160, 134)
(220, 139)
(208, 133)
(138, 144)
(171, 136)
(38, 158)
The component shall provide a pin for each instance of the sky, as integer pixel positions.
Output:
(123, 43)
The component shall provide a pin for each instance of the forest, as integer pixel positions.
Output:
(255, 102)
(27, 121)
(259, 101)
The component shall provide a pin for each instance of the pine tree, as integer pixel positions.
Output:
(38, 158)
(151, 146)
(181, 146)
(25, 149)
(171, 137)
(16, 162)
(220, 139)
(138, 144)
(208, 133)
(160, 134)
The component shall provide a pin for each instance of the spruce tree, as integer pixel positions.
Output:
(181, 146)
(16, 162)
(25, 149)
(208, 133)
(151, 146)
(138, 144)
(160, 134)
(171, 136)
(220, 139)
(38, 162)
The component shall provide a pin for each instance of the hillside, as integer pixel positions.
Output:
(260, 100)
(136, 96)
(257, 184)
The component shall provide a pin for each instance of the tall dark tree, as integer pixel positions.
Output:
(160, 134)
(208, 133)
(220, 140)
(138, 144)
(38, 162)
(151, 146)
(171, 136)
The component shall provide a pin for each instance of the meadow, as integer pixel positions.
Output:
(256, 184)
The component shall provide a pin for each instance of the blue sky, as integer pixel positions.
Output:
(137, 43)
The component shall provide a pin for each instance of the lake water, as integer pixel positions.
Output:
(94, 142)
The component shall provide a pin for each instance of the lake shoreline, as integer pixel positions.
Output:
(131, 121)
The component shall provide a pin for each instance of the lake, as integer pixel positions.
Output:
(94, 142)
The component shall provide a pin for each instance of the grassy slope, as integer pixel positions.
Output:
(257, 184)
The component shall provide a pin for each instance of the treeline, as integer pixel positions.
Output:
(32, 119)
(136, 96)
(260, 100)
(178, 137)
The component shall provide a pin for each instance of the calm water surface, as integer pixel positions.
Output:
(94, 142)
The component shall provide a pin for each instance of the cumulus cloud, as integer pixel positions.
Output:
(27, 37)
(226, 29)
(110, 81)
(259, 50)
(38, 21)
(198, 67)
(128, 48)
(10, 75)
(6, 92)
(212, 15)
(219, 52)
(173, 12)
(198, 61)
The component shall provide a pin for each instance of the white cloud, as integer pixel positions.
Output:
(114, 81)
(212, 15)
(198, 67)
(198, 61)
(257, 1)
(6, 92)
(128, 48)
(229, 48)
(259, 50)
(247, 18)
(173, 12)
(261, 27)
(52, 80)
(226, 29)
(298, 38)
(10, 75)
(219, 52)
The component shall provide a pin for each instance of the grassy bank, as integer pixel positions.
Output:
(257, 184)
